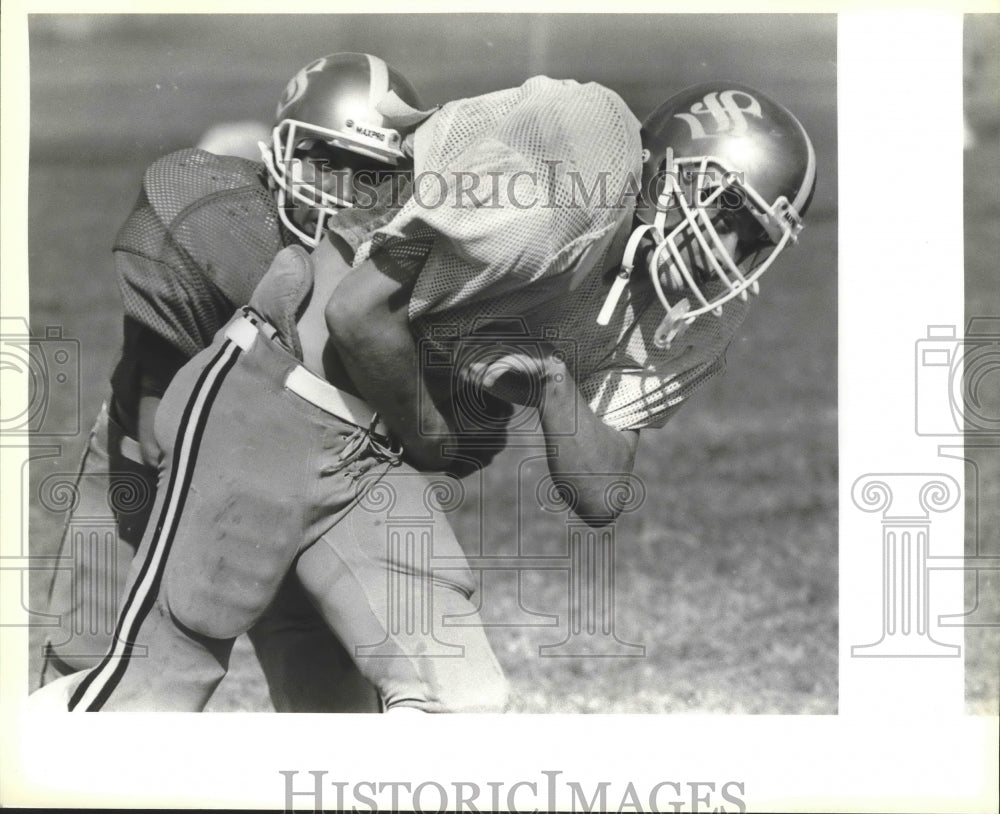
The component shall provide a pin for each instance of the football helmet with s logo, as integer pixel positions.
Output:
(727, 175)
(346, 112)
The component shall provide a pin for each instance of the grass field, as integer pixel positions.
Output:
(982, 507)
(728, 573)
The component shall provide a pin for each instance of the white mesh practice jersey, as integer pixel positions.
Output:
(516, 197)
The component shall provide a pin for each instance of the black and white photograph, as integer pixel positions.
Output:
(585, 376)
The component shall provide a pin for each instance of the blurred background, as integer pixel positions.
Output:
(727, 574)
(982, 299)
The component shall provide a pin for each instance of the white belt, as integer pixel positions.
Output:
(333, 400)
(307, 385)
(243, 333)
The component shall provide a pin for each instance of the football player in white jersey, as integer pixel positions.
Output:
(649, 299)
(521, 213)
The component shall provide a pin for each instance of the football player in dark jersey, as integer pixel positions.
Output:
(201, 236)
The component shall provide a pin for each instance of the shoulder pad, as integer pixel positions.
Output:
(175, 181)
(219, 214)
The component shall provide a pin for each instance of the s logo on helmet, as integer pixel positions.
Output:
(296, 88)
(725, 109)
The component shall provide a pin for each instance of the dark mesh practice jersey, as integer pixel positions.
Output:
(204, 231)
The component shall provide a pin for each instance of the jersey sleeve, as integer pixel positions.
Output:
(641, 386)
(638, 400)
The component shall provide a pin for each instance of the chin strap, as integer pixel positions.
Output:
(673, 325)
(621, 281)
(628, 256)
(611, 302)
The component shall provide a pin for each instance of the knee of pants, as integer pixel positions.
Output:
(173, 669)
(74, 652)
(490, 696)
(444, 686)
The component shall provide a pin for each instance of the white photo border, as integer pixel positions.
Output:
(901, 740)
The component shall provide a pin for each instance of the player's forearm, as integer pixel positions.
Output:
(588, 456)
(371, 335)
